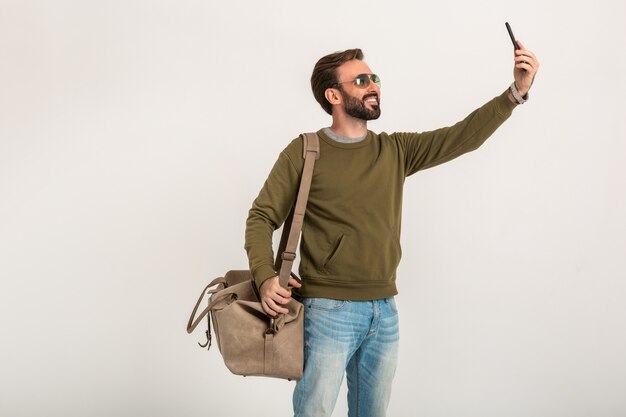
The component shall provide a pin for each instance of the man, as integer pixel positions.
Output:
(350, 245)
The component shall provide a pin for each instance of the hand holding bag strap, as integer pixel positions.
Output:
(311, 153)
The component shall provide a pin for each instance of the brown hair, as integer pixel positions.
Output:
(325, 74)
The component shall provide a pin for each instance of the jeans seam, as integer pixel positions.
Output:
(358, 398)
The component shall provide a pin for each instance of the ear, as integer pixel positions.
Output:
(333, 96)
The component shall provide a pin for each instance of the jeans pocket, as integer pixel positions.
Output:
(391, 302)
(326, 304)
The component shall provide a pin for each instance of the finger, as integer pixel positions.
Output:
(530, 54)
(294, 283)
(285, 292)
(527, 53)
(276, 308)
(525, 60)
(276, 289)
(267, 309)
(523, 52)
(280, 300)
(524, 65)
(279, 289)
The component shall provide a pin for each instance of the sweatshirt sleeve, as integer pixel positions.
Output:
(428, 149)
(269, 211)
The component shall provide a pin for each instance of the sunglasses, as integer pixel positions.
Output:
(363, 80)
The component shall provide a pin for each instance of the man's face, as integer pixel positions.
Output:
(358, 102)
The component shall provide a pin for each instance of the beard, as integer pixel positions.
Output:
(357, 109)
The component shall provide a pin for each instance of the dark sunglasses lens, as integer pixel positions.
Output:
(362, 80)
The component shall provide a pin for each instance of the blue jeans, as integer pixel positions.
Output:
(359, 338)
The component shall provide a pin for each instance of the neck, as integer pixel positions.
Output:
(348, 126)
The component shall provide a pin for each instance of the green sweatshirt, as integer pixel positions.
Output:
(350, 246)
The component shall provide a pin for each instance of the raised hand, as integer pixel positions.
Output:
(526, 66)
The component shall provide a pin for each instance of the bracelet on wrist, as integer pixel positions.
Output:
(516, 95)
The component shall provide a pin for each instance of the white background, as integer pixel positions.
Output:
(134, 136)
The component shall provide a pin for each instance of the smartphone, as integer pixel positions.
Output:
(508, 27)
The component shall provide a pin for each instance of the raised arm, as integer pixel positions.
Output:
(428, 149)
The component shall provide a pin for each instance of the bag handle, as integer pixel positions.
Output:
(192, 324)
(293, 225)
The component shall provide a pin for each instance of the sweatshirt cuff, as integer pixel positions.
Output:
(504, 106)
(262, 273)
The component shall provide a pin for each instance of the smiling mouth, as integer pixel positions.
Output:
(371, 100)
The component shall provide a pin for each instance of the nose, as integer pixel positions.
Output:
(373, 88)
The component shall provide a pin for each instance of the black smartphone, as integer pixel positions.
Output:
(508, 28)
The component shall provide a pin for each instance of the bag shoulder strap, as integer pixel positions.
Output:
(289, 239)
(293, 225)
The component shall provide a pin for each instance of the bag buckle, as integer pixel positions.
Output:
(273, 327)
(288, 256)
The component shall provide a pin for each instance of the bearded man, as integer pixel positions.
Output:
(350, 245)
